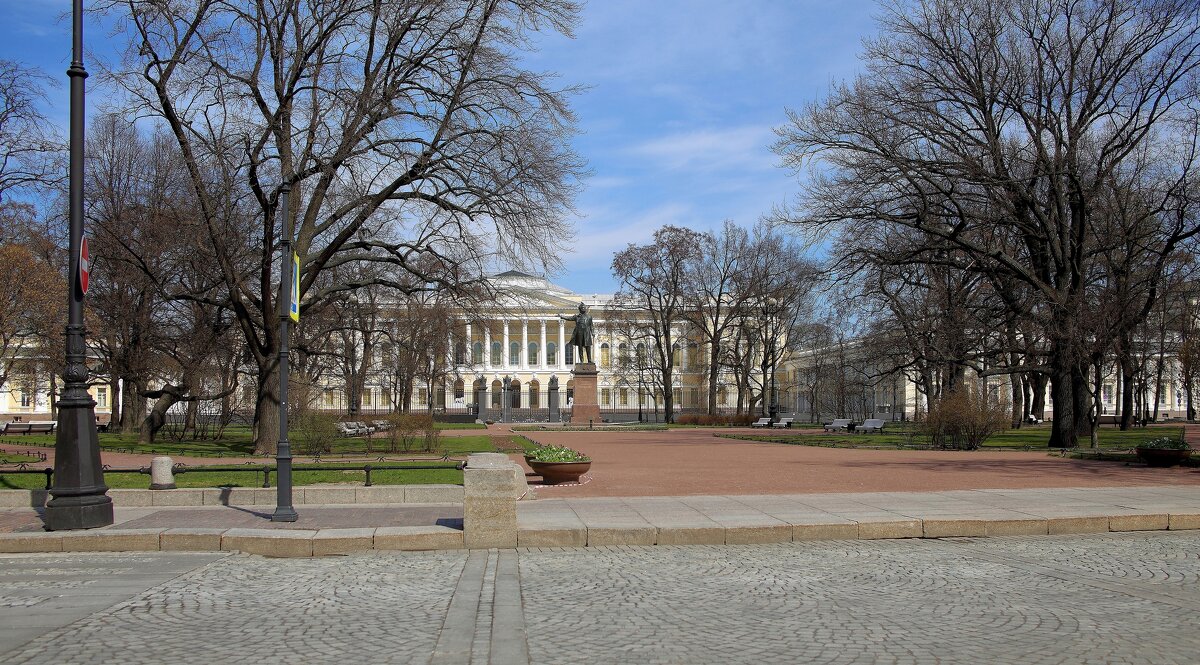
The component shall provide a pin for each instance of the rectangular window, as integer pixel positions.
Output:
(570, 354)
(624, 397)
(422, 397)
(328, 400)
(606, 397)
(101, 397)
(26, 400)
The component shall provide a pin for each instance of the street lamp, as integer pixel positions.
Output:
(353, 392)
(79, 497)
(284, 511)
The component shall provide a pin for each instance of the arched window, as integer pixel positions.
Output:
(623, 354)
(641, 353)
(605, 356)
(477, 353)
(514, 394)
(496, 353)
(496, 389)
(514, 353)
(460, 353)
(693, 359)
(532, 353)
(535, 391)
(551, 353)
(458, 389)
(676, 355)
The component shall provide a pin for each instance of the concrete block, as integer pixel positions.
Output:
(37, 541)
(697, 535)
(112, 540)
(178, 497)
(379, 494)
(269, 542)
(543, 537)
(162, 473)
(631, 535)
(1177, 522)
(131, 498)
(847, 531)
(489, 522)
(314, 495)
(1030, 527)
(872, 530)
(418, 538)
(342, 541)
(190, 539)
(755, 534)
(953, 528)
(1144, 522)
(22, 498)
(1067, 525)
(232, 496)
(433, 493)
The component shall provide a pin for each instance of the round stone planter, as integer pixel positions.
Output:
(1163, 457)
(553, 473)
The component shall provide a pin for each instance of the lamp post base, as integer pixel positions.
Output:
(285, 514)
(83, 512)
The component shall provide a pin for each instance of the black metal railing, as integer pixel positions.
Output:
(266, 470)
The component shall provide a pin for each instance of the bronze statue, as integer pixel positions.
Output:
(581, 339)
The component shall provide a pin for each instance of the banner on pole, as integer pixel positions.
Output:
(294, 309)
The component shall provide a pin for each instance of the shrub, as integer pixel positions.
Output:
(315, 432)
(412, 431)
(707, 420)
(964, 419)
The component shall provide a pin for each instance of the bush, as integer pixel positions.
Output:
(412, 431)
(964, 419)
(315, 432)
(707, 420)
(557, 454)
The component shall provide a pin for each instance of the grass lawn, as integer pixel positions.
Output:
(1035, 437)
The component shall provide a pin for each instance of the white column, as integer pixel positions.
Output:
(487, 346)
(470, 349)
(683, 355)
(562, 346)
(504, 347)
(524, 343)
(541, 359)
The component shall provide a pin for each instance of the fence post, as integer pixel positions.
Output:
(552, 400)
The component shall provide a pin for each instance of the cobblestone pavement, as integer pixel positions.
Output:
(1105, 598)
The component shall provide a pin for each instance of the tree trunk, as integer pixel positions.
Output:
(1015, 384)
(133, 405)
(1037, 386)
(1128, 404)
(1063, 432)
(157, 417)
(266, 408)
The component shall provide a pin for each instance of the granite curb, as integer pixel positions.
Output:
(254, 496)
(571, 533)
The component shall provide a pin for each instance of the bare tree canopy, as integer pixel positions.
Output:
(1049, 144)
(408, 132)
(29, 150)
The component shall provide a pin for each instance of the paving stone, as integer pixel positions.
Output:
(112, 540)
(1070, 525)
(418, 538)
(552, 537)
(692, 535)
(1148, 522)
(269, 542)
(1184, 521)
(621, 535)
(342, 541)
(952, 528)
(831, 531)
(1022, 527)
(870, 529)
(752, 535)
(195, 539)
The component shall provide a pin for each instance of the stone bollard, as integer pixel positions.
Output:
(162, 474)
(492, 483)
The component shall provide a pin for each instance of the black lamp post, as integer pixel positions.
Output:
(79, 497)
(284, 511)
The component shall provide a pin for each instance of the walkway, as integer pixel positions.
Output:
(1111, 598)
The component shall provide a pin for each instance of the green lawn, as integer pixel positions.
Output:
(1035, 437)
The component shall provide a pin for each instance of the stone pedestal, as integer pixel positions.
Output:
(162, 474)
(586, 407)
(492, 484)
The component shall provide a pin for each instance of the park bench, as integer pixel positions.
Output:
(16, 428)
(349, 429)
(761, 422)
(783, 422)
(870, 425)
(42, 427)
(839, 424)
(381, 425)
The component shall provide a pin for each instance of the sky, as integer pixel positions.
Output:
(676, 119)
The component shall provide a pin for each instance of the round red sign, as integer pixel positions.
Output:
(84, 266)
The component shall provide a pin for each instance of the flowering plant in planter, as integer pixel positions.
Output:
(1165, 443)
(556, 454)
(1164, 451)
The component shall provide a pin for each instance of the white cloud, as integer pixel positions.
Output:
(711, 149)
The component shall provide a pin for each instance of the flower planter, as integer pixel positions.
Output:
(1163, 457)
(553, 473)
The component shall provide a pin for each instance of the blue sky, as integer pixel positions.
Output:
(676, 121)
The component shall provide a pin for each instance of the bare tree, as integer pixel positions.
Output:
(652, 280)
(1010, 130)
(30, 152)
(408, 132)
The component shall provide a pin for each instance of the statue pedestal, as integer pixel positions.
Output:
(585, 407)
